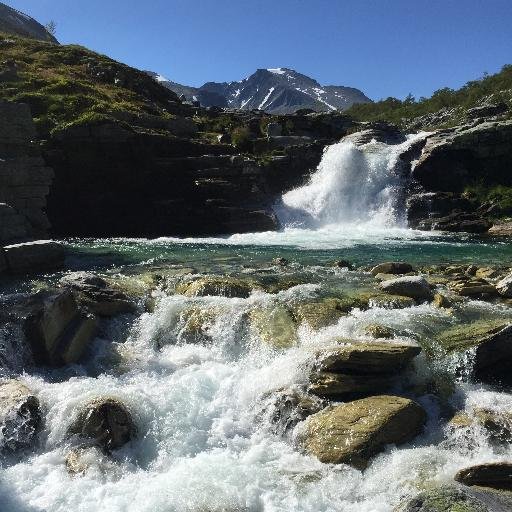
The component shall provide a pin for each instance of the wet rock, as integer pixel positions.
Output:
(457, 222)
(497, 424)
(321, 313)
(79, 460)
(39, 256)
(472, 288)
(392, 267)
(491, 346)
(457, 499)
(366, 358)
(497, 475)
(285, 408)
(441, 301)
(343, 264)
(353, 432)
(501, 229)
(344, 386)
(415, 287)
(222, 286)
(504, 287)
(274, 325)
(486, 273)
(196, 322)
(105, 422)
(94, 292)
(20, 416)
(58, 331)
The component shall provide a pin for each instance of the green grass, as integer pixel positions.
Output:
(66, 84)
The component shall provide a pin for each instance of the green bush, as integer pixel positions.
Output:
(241, 138)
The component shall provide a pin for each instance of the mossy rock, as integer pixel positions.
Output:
(215, 285)
(353, 432)
(380, 331)
(274, 325)
(341, 386)
(444, 499)
(196, 321)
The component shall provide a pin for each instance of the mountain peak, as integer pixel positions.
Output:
(275, 90)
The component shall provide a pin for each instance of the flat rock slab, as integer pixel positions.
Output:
(38, 256)
(353, 432)
(497, 475)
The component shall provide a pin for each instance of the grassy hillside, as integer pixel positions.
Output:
(65, 84)
(452, 103)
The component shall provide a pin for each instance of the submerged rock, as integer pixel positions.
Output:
(274, 325)
(415, 287)
(491, 346)
(79, 460)
(215, 285)
(20, 416)
(392, 267)
(95, 293)
(106, 422)
(497, 424)
(321, 313)
(58, 331)
(353, 432)
(497, 475)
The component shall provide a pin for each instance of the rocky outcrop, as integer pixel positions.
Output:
(19, 24)
(104, 422)
(352, 433)
(20, 416)
(25, 179)
(452, 160)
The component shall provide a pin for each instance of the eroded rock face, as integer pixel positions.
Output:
(20, 416)
(58, 331)
(353, 432)
(497, 475)
(415, 287)
(105, 422)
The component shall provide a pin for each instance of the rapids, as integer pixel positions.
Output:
(205, 442)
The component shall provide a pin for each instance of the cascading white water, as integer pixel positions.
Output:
(354, 184)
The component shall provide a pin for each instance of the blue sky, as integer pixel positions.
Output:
(383, 47)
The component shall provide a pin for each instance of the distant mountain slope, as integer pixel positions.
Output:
(16, 23)
(277, 91)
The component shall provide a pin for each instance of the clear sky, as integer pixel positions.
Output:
(383, 47)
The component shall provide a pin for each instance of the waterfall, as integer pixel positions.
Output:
(353, 184)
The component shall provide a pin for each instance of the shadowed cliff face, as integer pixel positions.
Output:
(16, 23)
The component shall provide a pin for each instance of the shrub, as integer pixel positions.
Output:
(241, 138)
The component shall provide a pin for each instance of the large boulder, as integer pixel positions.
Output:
(58, 331)
(20, 416)
(415, 287)
(39, 256)
(94, 292)
(497, 475)
(491, 347)
(353, 432)
(215, 285)
(104, 422)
